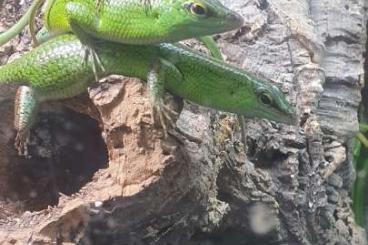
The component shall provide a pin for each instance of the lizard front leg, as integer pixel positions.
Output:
(211, 45)
(160, 72)
(26, 107)
(216, 53)
(83, 17)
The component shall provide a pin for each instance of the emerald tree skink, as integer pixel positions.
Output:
(132, 21)
(135, 22)
(56, 70)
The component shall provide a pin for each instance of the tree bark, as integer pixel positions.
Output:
(113, 179)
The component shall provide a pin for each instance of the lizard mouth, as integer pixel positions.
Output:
(229, 21)
(234, 21)
(288, 117)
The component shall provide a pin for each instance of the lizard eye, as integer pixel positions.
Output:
(196, 9)
(265, 98)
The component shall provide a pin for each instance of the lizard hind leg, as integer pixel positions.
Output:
(26, 107)
(211, 45)
(160, 71)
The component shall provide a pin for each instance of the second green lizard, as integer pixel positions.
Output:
(56, 70)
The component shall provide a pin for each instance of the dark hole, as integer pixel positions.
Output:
(66, 150)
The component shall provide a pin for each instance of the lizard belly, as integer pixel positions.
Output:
(64, 92)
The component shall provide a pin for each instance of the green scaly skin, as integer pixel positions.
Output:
(133, 21)
(57, 70)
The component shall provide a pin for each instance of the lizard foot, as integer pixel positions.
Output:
(163, 115)
(21, 143)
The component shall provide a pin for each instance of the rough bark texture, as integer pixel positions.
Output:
(287, 185)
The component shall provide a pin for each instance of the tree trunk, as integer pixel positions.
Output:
(113, 179)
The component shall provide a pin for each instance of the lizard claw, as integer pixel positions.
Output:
(92, 57)
(20, 144)
(163, 115)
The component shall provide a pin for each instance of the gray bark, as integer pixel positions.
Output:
(287, 185)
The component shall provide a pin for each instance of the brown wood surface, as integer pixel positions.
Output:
(113, 179)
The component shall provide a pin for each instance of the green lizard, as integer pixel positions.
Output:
(56, 70)
(132, 21)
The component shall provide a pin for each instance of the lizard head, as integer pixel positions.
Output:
(272, 104)
(194, 18)
(261, 99)
(269, 102)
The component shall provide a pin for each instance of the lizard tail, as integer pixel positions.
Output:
(19, 26)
